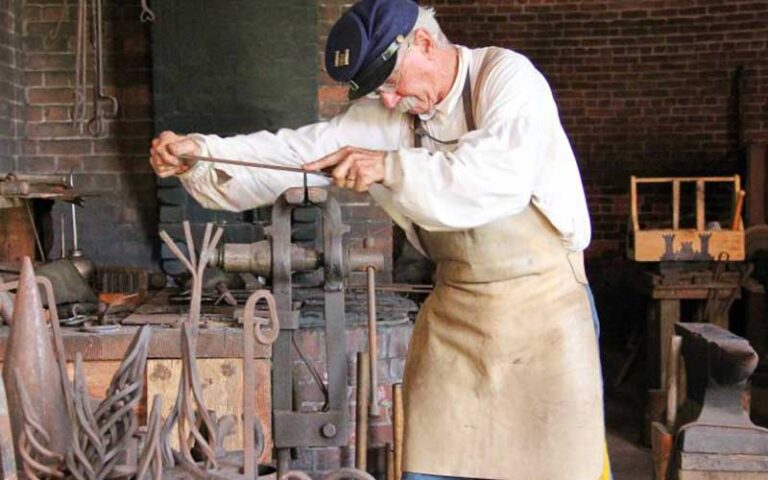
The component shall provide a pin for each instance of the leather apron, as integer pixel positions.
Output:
(502, 378)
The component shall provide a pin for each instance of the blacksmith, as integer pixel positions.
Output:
(465, 150)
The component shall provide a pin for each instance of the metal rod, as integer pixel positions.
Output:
(34, 230)
(74, 214)
(373, 346)
(251, 164)
(361, 412)
(63, 237)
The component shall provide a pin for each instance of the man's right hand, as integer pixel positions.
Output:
(165, 152)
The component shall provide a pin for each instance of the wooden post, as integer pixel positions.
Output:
(361, 412)
(700, 220)
(669, 315)
(397, 427)
(676, 204)
(633, 202)
(736, 223)
(390, 462)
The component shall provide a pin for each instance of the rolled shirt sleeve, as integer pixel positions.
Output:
(519, 154)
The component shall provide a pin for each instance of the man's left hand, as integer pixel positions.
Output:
(353, 168)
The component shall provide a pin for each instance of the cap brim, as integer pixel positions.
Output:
(374, 80)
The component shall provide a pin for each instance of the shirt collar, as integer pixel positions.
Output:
(447, 104)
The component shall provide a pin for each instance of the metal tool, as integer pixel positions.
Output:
(723, 438)
(81, 64)
(147, 15)
(30, 352)
(151, 457)
(82, 263)
(321, 428)
(362, 387)
(398, 425)
(189, 411)
(373, 343)
(96, 123)
(252, 330)
(282, 168)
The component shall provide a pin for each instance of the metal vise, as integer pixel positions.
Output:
(277, 258)
(722, 442)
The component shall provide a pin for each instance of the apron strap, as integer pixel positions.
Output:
(419, 132)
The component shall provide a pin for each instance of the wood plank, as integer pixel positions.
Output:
(222, 392)
(98, 374)
(676, 204)
(633, 204)
(685, 179)
(651, 245)
(669, 315)
(213, 342)
(700, 205)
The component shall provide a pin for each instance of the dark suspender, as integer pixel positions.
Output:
(466, 95)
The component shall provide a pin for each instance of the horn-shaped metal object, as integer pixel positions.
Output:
(31, 353)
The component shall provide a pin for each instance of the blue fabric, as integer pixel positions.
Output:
(595, 318)
(423, 476)
(362, 35)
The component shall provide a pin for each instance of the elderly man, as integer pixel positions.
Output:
(465, 150)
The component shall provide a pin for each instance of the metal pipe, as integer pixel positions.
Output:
(373, 347)
(361, 412)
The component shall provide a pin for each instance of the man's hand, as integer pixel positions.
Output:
(354, 168)
(165, 151)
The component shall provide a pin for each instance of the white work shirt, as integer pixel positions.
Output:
(518, 154)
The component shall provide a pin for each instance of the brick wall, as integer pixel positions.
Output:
(118, 226)
(10, 84)
(362, 215)
(643, 87)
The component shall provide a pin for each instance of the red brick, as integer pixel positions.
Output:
(49, 96)
(65, 147)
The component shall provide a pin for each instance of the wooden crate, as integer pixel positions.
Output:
(686, 245)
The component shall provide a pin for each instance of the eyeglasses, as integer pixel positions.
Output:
(391, 84)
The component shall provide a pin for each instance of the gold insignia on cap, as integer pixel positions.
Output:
(400, 39)
(341, 58)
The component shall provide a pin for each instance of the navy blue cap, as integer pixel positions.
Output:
(362, 47)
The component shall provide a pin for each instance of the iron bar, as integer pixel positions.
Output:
(282, 168)
(373, 344)
(252, 330)
(7, 456)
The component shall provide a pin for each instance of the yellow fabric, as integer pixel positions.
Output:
(606, 475)
(502, 378)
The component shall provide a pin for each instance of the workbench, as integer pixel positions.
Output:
(219, 353)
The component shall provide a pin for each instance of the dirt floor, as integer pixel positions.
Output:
(624, 407)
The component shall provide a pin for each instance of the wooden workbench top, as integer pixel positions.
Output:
(215, 341)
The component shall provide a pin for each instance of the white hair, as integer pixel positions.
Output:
(428, 22)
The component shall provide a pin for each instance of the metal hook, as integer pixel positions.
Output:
(147, 15)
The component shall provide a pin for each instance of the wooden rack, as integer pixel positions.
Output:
(697, 244)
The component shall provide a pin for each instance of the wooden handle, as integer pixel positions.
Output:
(397, 427)
(361, 412)
(736, 224)
(390, 462)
